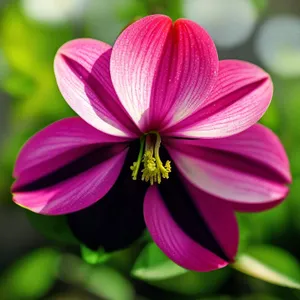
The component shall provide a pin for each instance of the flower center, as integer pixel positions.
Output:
(154, 170)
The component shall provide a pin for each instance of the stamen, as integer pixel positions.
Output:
(136, 165)
(154, 170)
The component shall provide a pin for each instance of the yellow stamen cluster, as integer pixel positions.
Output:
(153, 170)
(134, 168)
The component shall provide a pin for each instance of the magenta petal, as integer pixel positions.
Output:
(250, 168)
(177, 245)
(135, 55)
(240, 97)
(162, 72)
(220, 217)
(76, 193)
(57, 147)
(82, 72)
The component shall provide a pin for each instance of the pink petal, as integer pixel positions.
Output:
(163, 72)
(181, 248)
(250, 168)
(240, 97)
(82, 72)
(53, 149)
(57, 145)
(219, 215)
(76, 193)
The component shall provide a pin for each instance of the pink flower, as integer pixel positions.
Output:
(165, 139)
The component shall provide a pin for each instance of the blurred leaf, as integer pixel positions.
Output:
(271, 118)
(130, 9)
(29, 46)
(257, 296)
(157, 269)
(244, 232)
(171, 8)
(93, 257)
(72, 295)
(45, 100)
(286, 94)
(270, 264)
(104, 20)
(5, 109)
(244, 297)
(294, 156)
(4, 67)
(266, 226)
(123, 260)
(260, 5)
(31, 277)
(193, 283)
(109, 283)
(294, 203)
(52, 227)
(174, 9)
(16, 80)
(153, 264)
(100, 280)
(225, 297)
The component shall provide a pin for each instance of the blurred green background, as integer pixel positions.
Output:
(41, 265)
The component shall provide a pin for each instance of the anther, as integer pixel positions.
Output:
(154, 170)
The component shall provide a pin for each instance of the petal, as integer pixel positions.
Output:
(57, 145)
(240, 97)
(74, 193)
(196, 230)
(115, 221)
(67, 166)
(162, 72)
(249, 168)
(82, 72)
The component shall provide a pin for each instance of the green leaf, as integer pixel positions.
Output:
(100, 280)
(244, 232)
(257, 296)
(157, 269)
(264, 226)
(244, 297)
(193, 283)
(31, 277)
(294, 204)
(271, 118)
(113, 285)
(171, 8)
(260, 5)
(93, 257)
(29, 46)
(153, 264)
(14, 81)
(219, 297)
(270, 264)
(52, 227)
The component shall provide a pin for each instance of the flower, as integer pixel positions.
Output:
(165, 140)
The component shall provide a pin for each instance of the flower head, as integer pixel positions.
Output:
(166, 139)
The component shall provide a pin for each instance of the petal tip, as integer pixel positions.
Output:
(18, 203)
